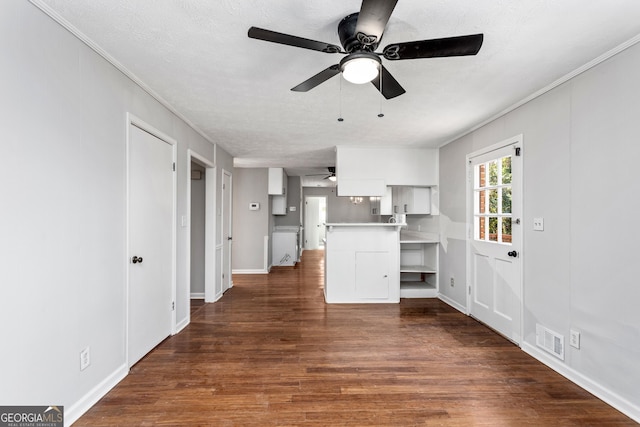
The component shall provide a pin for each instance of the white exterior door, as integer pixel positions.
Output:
(495, 240)
(226, 230)
(150, 230)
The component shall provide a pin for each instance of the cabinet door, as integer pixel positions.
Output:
(278, 205)
(418, 200)
(412, 200)
(372, 275)
(386, 203)
(277, 181)
(397, 197)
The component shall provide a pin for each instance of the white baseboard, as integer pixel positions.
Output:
(75, 411)
(461, 308)
(182, 324)
(250, 271)
(621, 404)
(197, 295)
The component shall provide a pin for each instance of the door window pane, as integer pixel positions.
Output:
(482, 208)
(493, 201)
(482, 173)
(506, 230)
(506, 170)
(482, 235)
(506, 200)
(493, 229)
(493, 173)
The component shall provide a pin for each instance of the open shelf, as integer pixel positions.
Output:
(418, 268)
(417, 289)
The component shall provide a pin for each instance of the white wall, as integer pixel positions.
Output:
(250, 227)
(62, 185)
(580, 153)
(294, 193)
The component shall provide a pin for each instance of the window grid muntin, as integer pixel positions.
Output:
(482, 177)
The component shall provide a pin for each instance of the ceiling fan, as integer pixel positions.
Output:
(331, 176)
(360, 33)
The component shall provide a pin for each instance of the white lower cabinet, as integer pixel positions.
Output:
(372, 275)
(362, 263)
(418, 268)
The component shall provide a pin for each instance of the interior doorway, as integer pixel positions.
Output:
(197, 225)
(201, 216)
(315, 218)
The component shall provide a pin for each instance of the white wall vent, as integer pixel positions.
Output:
(550, 341)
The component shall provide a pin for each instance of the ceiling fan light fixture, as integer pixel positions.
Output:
(333, 178)
(361, 67)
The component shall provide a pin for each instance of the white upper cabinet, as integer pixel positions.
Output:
(367, 171)
(412, 200)
(382, 205)
(277, 182)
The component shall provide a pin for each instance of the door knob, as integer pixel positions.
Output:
(513, 254)
(136, 259)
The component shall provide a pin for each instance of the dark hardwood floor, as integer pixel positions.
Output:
(271, 352)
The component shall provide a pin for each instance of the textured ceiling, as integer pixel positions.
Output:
(195, 54)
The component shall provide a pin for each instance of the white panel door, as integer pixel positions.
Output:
(227, 240)
(312, 223)
(495, 259)
(150, 205)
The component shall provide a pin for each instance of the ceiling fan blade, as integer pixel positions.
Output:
(314, 81)
(390, 86)
(274, 37)
(373, 17)
(435, 48)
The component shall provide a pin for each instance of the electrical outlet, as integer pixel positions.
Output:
(574, 339)
(538, 224)
(452, 281)
(85, 358)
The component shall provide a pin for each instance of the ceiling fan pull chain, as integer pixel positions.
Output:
(380, 75)
(340, 119)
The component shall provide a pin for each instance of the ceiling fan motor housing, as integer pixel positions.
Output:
(352, 42)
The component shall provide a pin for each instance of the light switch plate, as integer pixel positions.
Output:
(538, 224)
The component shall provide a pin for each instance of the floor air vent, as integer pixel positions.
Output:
(550, 341)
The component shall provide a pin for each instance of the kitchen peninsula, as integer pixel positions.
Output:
(362, 263)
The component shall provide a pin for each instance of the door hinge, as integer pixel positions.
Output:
(224, 186)
(517, 151)
(173, 305)
(469, 290)
(174, 166)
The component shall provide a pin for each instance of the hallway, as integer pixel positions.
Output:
(271, 352)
